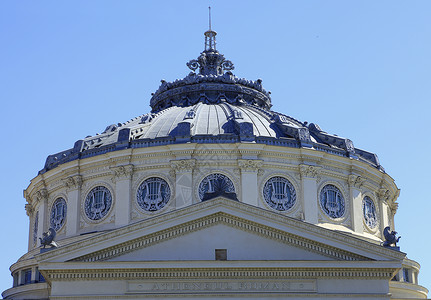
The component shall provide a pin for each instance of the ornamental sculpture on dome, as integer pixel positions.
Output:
(210, 62)
(212, 84)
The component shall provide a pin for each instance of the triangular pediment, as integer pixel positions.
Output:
(246, 232)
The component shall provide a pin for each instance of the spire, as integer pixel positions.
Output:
(210, 62)
(210, 40)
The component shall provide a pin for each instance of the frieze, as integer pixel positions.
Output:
(226, 286)
(55, 184)
(154, 161)
(94, 170)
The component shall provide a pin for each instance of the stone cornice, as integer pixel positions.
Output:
(211, 220)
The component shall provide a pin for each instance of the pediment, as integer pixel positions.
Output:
(246, 232)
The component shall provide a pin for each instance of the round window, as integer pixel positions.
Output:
(98, 203)
(279, 193)
(58, 214)
(332, 201)
(153, 194)
(215, 185)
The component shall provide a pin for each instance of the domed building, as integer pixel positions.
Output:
(213, 195)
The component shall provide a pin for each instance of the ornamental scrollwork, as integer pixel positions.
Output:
(193, 64)
(227, 65)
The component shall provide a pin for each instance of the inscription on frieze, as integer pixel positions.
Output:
(225, 286)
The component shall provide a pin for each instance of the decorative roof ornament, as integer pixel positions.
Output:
(210, 62)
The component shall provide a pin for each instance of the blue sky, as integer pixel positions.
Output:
(359, 69)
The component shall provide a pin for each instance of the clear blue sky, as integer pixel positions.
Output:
(359, 69)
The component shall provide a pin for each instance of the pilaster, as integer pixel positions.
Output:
(309, 180)
(122, 177)
(42, 199)
(355, 184)
(183, 170)
(73, 190)
(249, 188)
(383, 195)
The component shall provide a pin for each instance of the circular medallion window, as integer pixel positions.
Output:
(332, 201)
(58, 214)
(153, 194)
(279, 193)
(369, 211)
(215, 185)
(98, 203)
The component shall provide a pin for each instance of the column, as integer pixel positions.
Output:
(123, 190)
(309, 179)
(355, 183)
(183, 170)
(249, 188)
(73, 190)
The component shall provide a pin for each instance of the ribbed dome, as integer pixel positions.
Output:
(212, 106)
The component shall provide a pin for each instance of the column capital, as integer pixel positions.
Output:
(250, 165)
(42, 194)
(384, 194)
(309, 171)
(29, 209)
(122, 172)
(73, 182)
(356, 181)
(183, 165)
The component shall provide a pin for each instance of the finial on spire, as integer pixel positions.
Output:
(209, 17)
(210, 62)
(210, 42)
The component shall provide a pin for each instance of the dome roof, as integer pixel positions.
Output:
(211, 106)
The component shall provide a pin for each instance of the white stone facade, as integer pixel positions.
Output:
(270, 253)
